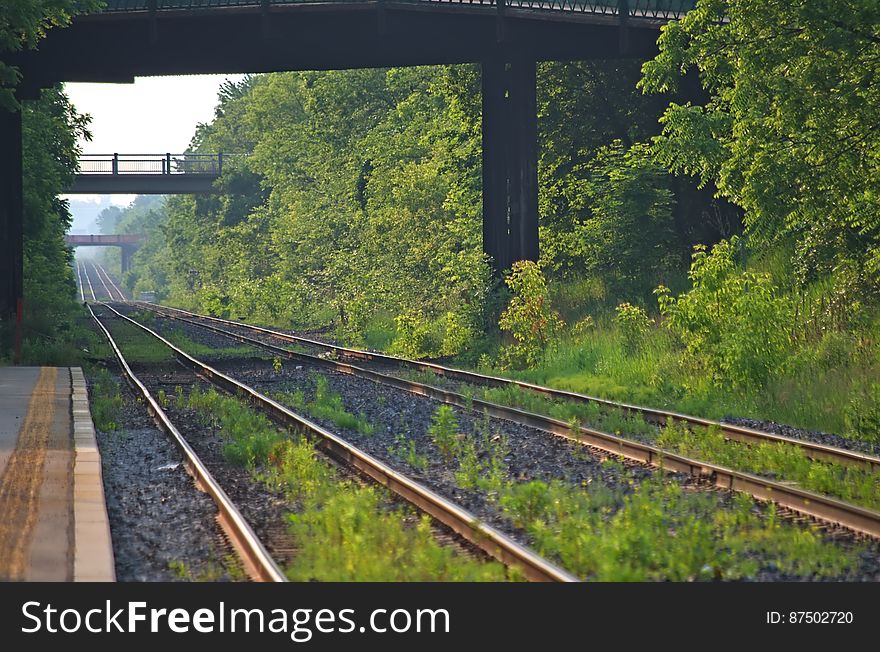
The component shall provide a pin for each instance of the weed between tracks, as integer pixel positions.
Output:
(655, 530)
(343, 531)
(327, 405)
(778, 461)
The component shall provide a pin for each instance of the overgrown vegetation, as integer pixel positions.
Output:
(106, 399)
(51, 330)
(639, 530)
(344, 531)
(722, 260)
(779, 461)
(327, 405)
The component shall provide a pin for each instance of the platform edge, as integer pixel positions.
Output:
(93, 547)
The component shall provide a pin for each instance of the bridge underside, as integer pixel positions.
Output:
(116, 47)
(507, 41)
(142, 184)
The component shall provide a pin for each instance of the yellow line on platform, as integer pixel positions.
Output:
(23, 477)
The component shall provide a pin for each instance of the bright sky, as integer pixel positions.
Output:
(152, 116)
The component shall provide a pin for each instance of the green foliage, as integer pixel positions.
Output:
(625, 235)
(529, 317)
(22, 24)
(735, 321)
(659, 532)
(52, 330)
(862, 415)
(634, 324)
(328, 405)
(780, 461)
(788, 131)
(343, 531)
(106, 399)
(405, 449)
(444, 431)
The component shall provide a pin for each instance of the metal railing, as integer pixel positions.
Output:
(658, 9)
(198, 164)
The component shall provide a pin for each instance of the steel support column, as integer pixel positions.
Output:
(523, 164)
(495, 204)
(125, 258)
(510, 162)
(11, 215)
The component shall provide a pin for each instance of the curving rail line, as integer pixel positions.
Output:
(464, 523)
(824, 508)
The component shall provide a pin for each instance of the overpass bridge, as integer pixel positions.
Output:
(130, 38)
(147, 174)
(127, 243)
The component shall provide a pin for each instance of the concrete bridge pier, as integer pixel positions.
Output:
(510, 161)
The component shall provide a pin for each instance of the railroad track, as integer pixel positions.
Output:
(461, 521)
(254, 556)
(84, 273)
(821, 507)
(111, 289)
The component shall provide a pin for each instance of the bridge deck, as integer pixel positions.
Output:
(142, 184)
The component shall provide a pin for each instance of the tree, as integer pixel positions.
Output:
(789, 131)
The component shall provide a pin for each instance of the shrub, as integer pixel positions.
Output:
(862, 415)
(415, 336)
(529, 317)
(444, 431)
(735, 321)
(634, 326)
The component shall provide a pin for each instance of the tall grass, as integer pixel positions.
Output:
(812, 391)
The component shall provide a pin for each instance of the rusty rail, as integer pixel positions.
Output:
(824, 508)
(464, 523)
(256, 559)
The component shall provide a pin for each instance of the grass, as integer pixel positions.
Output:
(655, 530)
(211, 572)
(661, 532)
(812, 391)
(405, 449)
(327, 405)
(145, 348)
(106, 399)
(777, 460)
(343, 531)
(136, 344)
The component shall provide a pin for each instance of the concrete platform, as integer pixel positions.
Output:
(53, 519)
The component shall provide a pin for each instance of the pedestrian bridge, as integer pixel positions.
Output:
(147, 174)
(127, 243)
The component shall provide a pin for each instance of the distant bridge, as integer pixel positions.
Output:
(127, 243)
(147, 174)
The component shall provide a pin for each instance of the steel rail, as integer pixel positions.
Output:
(464, 523)
(824, 508)
(813, 450)
(82, 293)
(103, 271)
(256, 559)
(101, 278)
(89, 281)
